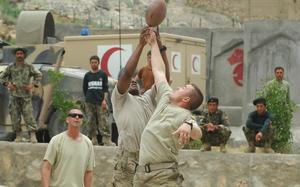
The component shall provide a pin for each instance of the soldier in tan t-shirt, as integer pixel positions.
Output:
(131, 112)
(168, 128)
(69, 159)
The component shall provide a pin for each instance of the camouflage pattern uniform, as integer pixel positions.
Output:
(20, 98)
(217, 137)
(97, 117)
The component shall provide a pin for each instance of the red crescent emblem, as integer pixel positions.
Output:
(193, 63)
(236, 59)
(173, 62)
(105, 58)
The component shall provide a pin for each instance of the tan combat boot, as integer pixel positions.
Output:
(18, 137)
(33, 137)
(94, 140)
(206, 147)
(251, 148)
(223, 148)
(268, 149)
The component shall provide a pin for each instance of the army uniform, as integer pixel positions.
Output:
(131, 114)
(218, 137)
(159, 149)
(95, 84)
(20, 98)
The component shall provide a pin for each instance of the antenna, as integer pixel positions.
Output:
(120, 38)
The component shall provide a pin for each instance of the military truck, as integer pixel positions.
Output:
(44, 56)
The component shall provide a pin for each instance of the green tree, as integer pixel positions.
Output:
(61, 101)
(282, 110)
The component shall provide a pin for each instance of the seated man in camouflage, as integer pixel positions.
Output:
(214, 126)
(258, 130)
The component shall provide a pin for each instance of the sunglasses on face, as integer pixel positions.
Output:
(74, 115)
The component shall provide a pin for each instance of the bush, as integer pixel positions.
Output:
(9, 11)
(60, 100)
(282, 109)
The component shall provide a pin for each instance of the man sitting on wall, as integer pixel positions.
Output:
(259, 127)
(215, 126)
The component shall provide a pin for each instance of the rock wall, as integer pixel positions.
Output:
(20, 167)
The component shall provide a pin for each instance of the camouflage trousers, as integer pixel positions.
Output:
(165, 177)
(19, 107)
(97, 118)
(217, 137)
(124, 169)
(267, 138)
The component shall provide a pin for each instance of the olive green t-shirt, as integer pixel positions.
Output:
(157, 143)
(131, 114)
(70, 159)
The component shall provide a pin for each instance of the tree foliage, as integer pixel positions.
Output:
(282, 108)
(61, 101)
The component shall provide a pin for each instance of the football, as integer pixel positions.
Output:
(156, 12)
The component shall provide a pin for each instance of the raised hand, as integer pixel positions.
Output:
(183, 134)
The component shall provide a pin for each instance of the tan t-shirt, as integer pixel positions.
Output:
(70, 159)
(157, 142)
(131, 114)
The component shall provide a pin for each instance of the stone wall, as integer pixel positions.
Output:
(242, 10)
(20, 167)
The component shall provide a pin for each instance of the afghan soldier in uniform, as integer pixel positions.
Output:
(215, 126)
(259, 127)
(17, 78)
(95, 87)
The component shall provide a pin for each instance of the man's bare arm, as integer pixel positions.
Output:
(125, 78)
(88, 178)
(164, 57)
(46, 170)
(158, 66)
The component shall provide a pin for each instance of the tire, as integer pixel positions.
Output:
(56, 125)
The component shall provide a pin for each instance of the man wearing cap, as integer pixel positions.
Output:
(69, 159)
(259, 127)
(17, 79)
(215, 126)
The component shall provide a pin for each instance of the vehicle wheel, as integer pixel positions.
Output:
(56, 125)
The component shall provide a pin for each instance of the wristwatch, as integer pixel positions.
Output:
(163, 48)
(190, 122)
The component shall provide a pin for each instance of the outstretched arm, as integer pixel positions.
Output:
(126, 75)
(158, 66)
(186, 131)
(164, 56)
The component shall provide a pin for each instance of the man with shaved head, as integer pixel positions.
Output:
(69, 159)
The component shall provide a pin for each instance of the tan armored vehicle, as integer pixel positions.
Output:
(35, 30)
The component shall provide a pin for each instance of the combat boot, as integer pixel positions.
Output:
(206, 147)
(223, 148)
(33, 137)
(251, 148)
(267, 148)
(94, 140)
(18, 137)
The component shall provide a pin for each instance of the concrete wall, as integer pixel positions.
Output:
(225, 71)
(269, 44)
(20, 167)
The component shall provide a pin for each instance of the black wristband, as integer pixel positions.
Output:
(163, 48)
(190, 123)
